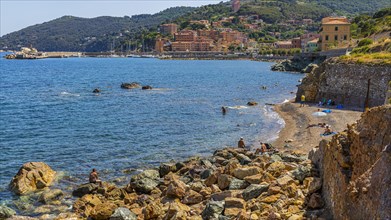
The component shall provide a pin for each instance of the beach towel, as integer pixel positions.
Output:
(327, 111)
(332, 133)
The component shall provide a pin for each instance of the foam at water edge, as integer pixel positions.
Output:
(271, 114)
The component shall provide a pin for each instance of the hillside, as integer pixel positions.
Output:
(70, 33)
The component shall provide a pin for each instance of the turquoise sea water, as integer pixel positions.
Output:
(49, 113)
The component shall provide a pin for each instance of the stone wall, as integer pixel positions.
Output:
(346, 84)
(355, 167)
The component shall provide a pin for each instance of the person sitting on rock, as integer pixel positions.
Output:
(94, 177)
(261, 150)
(327, 130)
(241, 143)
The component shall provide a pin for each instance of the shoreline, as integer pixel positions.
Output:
(297, 136)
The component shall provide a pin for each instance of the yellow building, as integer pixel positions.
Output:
(335, 33)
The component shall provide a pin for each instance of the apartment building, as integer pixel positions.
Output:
(335, 33)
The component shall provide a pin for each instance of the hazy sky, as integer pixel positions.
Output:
(18, 14)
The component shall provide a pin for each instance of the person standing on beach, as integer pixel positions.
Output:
(241, 143)
(94, 177)
(302, 100)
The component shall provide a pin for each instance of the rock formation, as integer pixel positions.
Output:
(356, 168)
(32, 176)
(132, 85)
(233, 184)
(346, 84)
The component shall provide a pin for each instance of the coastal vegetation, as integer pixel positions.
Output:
(138, 32)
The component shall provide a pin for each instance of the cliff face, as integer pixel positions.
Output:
(346, 84)
(356, 168)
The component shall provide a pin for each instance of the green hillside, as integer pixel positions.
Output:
(138, 32)
(70, 33)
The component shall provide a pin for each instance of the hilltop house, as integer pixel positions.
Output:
(334, 33)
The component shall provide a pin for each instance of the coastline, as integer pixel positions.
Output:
(297, 136)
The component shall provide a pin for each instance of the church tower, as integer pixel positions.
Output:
(235, 5)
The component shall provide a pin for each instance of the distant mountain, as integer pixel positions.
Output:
(120, 33)
(70, 33)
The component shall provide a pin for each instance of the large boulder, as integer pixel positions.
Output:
(32, 176)
(145, 181)
(242, 172)
(103, 211)
(84, 189)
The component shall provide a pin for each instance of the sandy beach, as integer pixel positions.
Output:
(302, 138)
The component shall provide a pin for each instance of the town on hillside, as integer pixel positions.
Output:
(247, 34)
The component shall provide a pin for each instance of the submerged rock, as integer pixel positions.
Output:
(132, 85)
(96, 91)
(6, 212)
(146, 87)
(50, 196)
(32, 176)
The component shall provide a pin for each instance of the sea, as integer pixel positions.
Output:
(48, 113)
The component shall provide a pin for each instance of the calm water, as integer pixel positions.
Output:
(49, 113)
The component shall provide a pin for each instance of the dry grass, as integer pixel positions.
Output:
(371, 58)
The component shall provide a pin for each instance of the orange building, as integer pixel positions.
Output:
(159, 45)
(185, 36)
(335, 33)
(168, 28)
(296, 42)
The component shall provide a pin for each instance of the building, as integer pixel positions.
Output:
(168, 29)
(284, 45)
(305, 38)
(312, 46)
(235, 5)
(185, 36)
(334, 33)
(296, 42)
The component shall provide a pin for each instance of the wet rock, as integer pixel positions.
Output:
(316, 201)
(254, 190)
(302, 172)
(145, 185)
(238, 184)
(96, 91)
(151, 174)
(275, 157)
(146, 87)
(85, 189)
(31, 177)
(206, 173)
(51, 195)
(166, 168)
(212, 210)
(252, 103)
(292, 158)
(243, 159)
(6, 212)
(123, 214)
(132, 85)
(242, 172)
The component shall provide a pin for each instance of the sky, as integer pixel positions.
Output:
(18, 14)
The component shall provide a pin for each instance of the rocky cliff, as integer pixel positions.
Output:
(356, 168)
(346, 84)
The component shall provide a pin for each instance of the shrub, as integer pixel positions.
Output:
(365, 42)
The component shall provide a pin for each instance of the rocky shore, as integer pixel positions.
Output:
(346, 174)
(232, 184)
